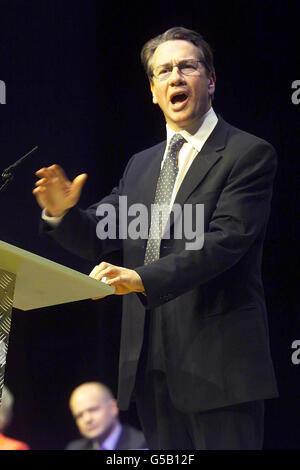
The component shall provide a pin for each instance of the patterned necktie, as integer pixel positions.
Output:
(164, 190)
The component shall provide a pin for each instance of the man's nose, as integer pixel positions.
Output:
(176, 76)
(87, 416)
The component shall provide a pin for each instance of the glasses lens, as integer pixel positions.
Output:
(162, 73)
(186, 67)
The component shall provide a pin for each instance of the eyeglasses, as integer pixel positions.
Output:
(186, 67)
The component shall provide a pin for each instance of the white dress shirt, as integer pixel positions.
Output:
(193, 145)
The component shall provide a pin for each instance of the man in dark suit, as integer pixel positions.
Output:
(194, 346)
(96, 414)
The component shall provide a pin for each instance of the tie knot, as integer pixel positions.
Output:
(176, 143)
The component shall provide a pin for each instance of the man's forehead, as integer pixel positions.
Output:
(88, 395)
(80, 405)
(176, 49)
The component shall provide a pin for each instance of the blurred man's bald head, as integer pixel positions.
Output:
(95, 388)
(94, 409)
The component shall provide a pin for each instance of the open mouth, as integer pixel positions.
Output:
(180, 98)
(179, 101)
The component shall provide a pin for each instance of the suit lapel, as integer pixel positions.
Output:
(197, 172)
(204, 161)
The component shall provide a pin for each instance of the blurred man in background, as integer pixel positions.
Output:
(97, 417)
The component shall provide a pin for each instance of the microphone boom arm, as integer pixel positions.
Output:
(7, 174)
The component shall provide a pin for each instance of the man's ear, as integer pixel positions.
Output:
(211, 84)
(114, 407)
(154, 99)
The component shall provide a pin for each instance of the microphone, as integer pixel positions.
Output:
(7, 174)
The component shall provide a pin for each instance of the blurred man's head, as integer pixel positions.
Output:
(6, 408)
(94, 410)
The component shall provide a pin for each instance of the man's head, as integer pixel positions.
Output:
(6, 408)
(179, 65)
(94, 410)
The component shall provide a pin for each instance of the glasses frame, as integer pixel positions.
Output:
(161, 79)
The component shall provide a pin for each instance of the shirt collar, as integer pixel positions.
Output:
(111, 441)
(207, 124)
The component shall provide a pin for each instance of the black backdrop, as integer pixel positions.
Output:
(76, 88)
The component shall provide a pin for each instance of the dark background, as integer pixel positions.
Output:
(75, 88)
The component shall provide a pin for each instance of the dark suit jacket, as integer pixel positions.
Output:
(208, 307)
(130, 438)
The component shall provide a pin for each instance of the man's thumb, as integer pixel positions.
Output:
(79, 181)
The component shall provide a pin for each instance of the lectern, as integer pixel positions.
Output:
(29, 281)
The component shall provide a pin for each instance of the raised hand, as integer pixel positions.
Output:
(55, 192)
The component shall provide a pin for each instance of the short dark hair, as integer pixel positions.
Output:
(178, 32)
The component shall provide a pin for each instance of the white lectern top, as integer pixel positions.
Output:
(42, 283)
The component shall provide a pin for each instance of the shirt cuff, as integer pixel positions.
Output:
(52, 221)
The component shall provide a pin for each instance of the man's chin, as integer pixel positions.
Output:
(92, 434)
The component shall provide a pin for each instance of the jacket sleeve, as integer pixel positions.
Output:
(77, 232)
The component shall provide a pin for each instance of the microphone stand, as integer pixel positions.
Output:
(7, 174)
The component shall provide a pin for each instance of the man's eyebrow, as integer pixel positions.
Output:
(164, 64)
(90, 408)
(177, 62)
